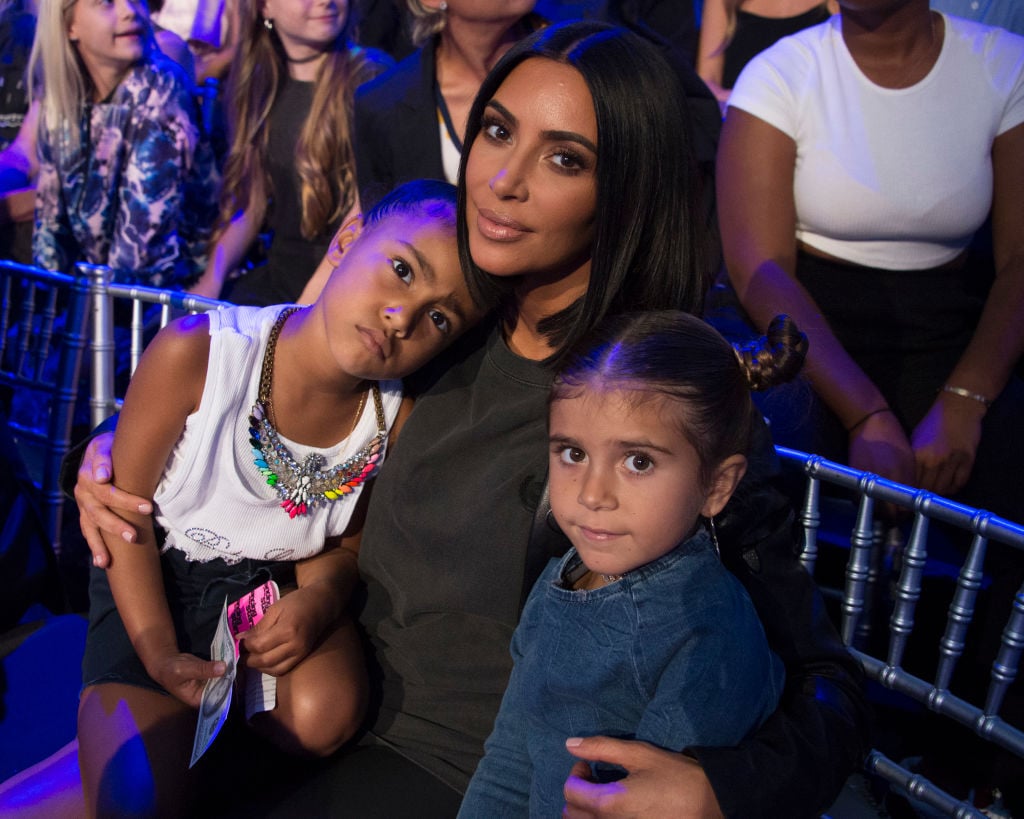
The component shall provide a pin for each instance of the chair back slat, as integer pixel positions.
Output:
(105, 293)
(961, 611)
(908, 588)
(43, 327)
(810, 522)
(1007, 661)
(865, 581)
(920, 788)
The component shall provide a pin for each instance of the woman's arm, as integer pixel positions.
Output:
(165, 389)
(946, 439)
(53, 244)
(19, 161)
(757, 215)
(231, 248)
(714, 27)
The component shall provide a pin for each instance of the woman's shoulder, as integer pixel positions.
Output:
(401, 79)
(999, 50)
(157, 80)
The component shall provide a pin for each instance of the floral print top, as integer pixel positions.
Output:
(139, 192)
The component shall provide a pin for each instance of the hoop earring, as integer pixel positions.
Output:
(268, 24)
(714, 536)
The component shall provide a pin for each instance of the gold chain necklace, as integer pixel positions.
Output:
(307, 485)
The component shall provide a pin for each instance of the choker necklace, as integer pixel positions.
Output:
(307, 485)
(303, 60)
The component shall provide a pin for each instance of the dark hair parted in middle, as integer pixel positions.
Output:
(650, 249)
(682, 357)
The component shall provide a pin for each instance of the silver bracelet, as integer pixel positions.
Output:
(974, 396)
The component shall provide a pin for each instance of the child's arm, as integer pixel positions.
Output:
(166, 388)
(721, 684)
(294, 625)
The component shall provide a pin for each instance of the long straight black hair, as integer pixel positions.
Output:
(651, 246)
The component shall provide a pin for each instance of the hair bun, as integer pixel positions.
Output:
(776, 357)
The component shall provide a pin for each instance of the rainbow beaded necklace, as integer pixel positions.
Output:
(307, 485)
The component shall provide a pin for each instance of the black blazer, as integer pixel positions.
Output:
(396, 137)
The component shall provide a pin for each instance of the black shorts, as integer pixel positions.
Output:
(195, 595)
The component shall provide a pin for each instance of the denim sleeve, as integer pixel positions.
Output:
(500, 787)
(795, 764)
(720, 685)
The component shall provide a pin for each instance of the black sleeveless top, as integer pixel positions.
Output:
(754, 34)
(291, 259)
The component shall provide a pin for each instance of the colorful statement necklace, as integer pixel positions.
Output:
(307, 485)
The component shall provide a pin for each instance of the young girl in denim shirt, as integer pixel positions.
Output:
(638, 631)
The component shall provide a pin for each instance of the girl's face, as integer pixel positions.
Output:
(397, 298)
(306, 26)
(109, 35)
(531, 176)
(625, 484)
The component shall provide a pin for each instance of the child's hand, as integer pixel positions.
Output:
(288, 631)
(184, 675)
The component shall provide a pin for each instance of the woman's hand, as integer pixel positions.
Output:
(99, 501)
(880, 445)
(945, 443)
(659, 783)
(289, 630)
(184, 675)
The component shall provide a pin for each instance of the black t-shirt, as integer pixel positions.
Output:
(444, 549)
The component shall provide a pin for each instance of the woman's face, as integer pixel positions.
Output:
(531, 176)
(306, 26)
(109, 35)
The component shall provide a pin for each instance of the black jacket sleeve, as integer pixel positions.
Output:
(796, 763)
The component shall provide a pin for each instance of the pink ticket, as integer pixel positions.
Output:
(249, 609)
(259, 690)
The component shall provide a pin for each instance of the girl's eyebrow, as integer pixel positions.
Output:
(427, 269)
(424, 264)
(567, 440)
(553, 136)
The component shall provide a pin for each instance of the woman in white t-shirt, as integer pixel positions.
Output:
(858, 159)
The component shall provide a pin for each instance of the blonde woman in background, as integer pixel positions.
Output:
(290, 168)
(734, 31)
(410, 122)
(125, 175)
